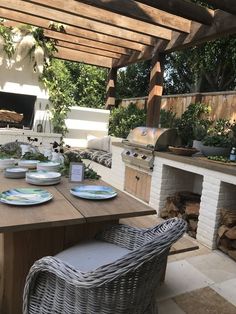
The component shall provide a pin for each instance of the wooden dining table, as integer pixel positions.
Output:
(31, 232)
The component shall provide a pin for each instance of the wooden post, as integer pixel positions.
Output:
(111, 88)
(155, 91)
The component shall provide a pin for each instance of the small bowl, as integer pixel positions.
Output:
(183, 151)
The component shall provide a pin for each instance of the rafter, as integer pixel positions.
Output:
(133, 43)
(83, 57)
(225, 5)
(142, 12)
(79, 41)
(94, 51)
(89, 15)
(183, 8)
(224, 24)
(70, 19)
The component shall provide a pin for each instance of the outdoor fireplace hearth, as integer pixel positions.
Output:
(17, 110)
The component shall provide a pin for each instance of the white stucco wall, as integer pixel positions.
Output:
(82, 121)
(19, 78)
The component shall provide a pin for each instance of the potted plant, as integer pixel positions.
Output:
(218, 141)
(191, 122)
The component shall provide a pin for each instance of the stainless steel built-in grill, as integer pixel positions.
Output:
(141, 143)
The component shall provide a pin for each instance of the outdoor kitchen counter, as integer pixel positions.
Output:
(202, 162)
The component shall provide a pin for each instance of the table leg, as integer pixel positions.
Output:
(21, 249)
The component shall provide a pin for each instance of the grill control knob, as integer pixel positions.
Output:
(128, 153)
(135, 155)
(144, 157)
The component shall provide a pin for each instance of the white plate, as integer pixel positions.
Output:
(28, 163)
(43, 175)
(42, 182)
(16, 170)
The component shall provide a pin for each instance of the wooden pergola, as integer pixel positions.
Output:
(116, 33)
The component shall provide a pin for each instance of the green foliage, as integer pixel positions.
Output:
(192, 117)
(6, 34)
(56, 78)
(208, 67)
(34, 156)
(219, 135)
(72, 156)
(122, 120)
(133, 81)
(90, 84)
(168, 119)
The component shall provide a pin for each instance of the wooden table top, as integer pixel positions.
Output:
(65, 209)
(122, 206)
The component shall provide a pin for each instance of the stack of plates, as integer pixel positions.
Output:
(43, 177)
(48, 166)
(30, 164)
(7, 162)
(15, 173)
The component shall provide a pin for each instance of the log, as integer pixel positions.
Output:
(188, 196)
(228, 217)
(192, 209)
(222, 230)
(231, 233)
(193, 225)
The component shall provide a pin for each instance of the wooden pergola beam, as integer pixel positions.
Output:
(90, 15)
(94, 51)
(132, 43)
(183, 8)
(225, 5)
(224, 24)
(83, 57)
(79, 41)
(111, 88)
(155, 91)
(59, 16)
(142, 12)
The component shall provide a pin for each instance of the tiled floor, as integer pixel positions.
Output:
(192, 270)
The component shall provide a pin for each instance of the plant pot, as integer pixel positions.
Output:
(215, 151)
(198, 145)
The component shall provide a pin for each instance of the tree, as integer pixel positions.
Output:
(90, 84)
(133, 81)
(208, 67)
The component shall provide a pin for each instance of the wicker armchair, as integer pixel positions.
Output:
(127, 286)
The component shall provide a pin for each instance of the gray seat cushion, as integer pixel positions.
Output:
(90, 255)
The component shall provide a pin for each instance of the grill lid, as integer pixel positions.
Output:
(153, 138)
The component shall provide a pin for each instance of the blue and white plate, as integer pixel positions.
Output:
(93, 192)
(25, 196)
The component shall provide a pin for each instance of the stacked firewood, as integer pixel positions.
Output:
(226, 240)
(184, 205)
(10, 116)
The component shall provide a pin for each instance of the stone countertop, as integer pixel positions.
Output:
(202, 162)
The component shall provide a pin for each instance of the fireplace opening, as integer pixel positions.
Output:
(181, 197)
(226, 233)
(17, 110)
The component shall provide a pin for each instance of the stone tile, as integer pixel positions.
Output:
(181, 277)
(216, 265)
(227, 289)
(169, 307)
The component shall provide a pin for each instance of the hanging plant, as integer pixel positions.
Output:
(24, 47)
(6, 42)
